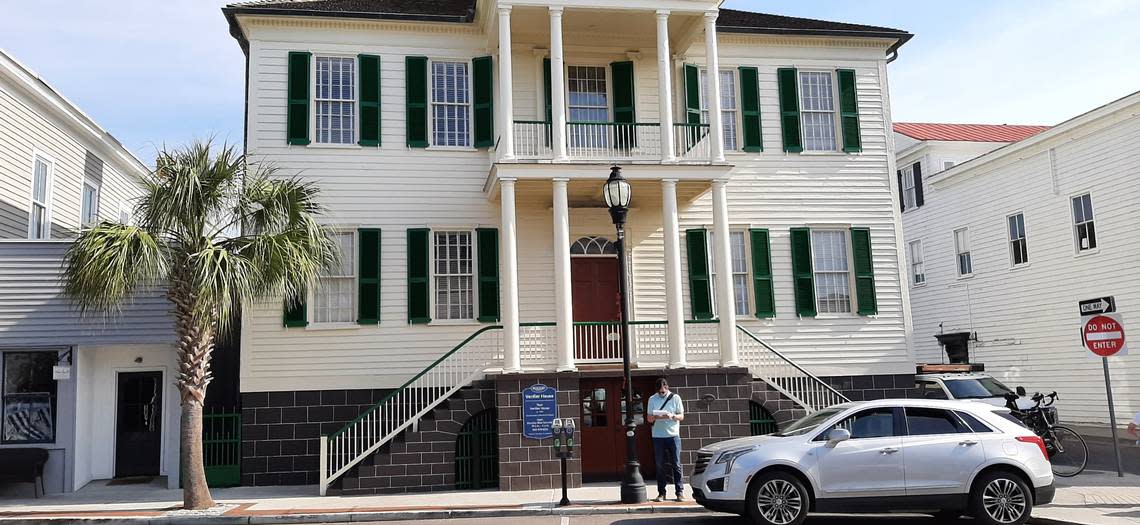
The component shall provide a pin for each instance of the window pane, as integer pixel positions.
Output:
(817, 111)
(451, 110)
(336, 290)
(39, 188)
(929, 421)
(973, 422)
(454, 278)
(873, 423)
(29, 397)
(336, 100)
(832, 279)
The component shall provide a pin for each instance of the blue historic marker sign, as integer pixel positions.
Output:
(539, 408)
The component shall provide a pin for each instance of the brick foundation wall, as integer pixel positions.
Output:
(872, 387)
(529, 464)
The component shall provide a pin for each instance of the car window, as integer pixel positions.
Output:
(870, 423)
(973, 422)
(809, 422)
(922, 421)
(1010, 417)
(930, 390)
(976, 388)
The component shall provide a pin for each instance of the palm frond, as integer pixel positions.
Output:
(109, 263)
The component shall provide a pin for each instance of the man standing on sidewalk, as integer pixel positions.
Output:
(665, 412)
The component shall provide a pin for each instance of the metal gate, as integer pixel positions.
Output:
(477, 453)
(760, 421)
(221, 447)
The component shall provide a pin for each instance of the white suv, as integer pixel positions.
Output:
(947, 457)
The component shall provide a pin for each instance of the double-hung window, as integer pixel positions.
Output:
(917, 266)
(832, 271)
(28, 397)
(454, 276)
(588, 101)
(728, 108)
(947, 164)
(89, 213)
(1018, 246)
(336, 291)
(336, 100)
(451, 103)
(39, 223)
(962, 251)
(1083, 230)
(817, 113)
(738, 252)
(910, 199)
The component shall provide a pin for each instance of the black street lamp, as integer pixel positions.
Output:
(617, 194)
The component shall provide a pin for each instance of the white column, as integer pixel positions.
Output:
(508, 252)
(725, 301)
(557, 84)
(563, 298)
(506, 88)
(712, 61)
(675, 310)
(665, 87)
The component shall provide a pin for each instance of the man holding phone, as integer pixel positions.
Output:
(665, 413)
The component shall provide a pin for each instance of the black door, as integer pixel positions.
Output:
(138, 435)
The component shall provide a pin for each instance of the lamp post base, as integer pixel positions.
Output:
(633, 485)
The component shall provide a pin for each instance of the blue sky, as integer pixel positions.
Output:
(155, 72)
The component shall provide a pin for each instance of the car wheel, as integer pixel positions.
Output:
(777, 498)
(1000, 498)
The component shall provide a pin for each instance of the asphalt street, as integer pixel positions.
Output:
(1101, 457)
(676, 519)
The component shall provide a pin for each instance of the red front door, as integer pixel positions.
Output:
(596, 300)
(603, 433)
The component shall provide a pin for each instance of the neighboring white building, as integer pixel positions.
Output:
(1002, 247)
(59, 172)
(462, 146)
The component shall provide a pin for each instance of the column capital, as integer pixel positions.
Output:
(560, 180)
(711, 15)
(507, 180)
(556, 10)
(719, 183)
(505, 9)
(671, 182)
(662, 14)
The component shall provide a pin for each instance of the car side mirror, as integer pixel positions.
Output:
(836, 435)
(1020, 391)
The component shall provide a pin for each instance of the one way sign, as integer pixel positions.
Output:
(1102, 305)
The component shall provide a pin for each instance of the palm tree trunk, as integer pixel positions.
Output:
(195, 344)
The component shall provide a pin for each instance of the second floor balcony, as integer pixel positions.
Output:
(605, 141)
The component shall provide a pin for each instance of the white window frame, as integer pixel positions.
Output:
(947, 164)
(958, 252)
(835, 117)
(603, 139)
(917, 255)
(1076, 225)
(313, 112)
(434, 276)
(747, 273)
(910, 189)
(354, 276)
(470, 104)
(91, 217)
(852, 300)
(49, 184)
(1010, 241)
(727, 115)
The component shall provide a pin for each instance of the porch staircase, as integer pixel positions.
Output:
(425, 394)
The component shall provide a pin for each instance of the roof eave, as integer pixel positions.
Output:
(899, 37)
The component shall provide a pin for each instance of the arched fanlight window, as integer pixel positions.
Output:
(593, 246)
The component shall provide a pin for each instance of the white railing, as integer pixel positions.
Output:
(702, 341)
(532, 139)
(405, 406)
(691, 142)
(607, 141)
(784, 375)
(538, 344)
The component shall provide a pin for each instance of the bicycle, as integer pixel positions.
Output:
(1068, 453)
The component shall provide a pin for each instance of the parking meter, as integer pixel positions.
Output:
(568, 428)
(563, 430)
(556, 429)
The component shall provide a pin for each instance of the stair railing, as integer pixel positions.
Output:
(785, 375)
(404, 406)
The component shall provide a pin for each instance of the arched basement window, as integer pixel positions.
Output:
(477, 453)
(760, 421)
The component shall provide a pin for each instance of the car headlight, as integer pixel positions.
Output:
(728, 457)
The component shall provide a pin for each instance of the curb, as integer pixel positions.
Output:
(358, 517)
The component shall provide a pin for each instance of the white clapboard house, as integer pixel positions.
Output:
(462, 147)
(1001, 248)
(111, 410)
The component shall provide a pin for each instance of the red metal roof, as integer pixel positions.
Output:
(967, 132)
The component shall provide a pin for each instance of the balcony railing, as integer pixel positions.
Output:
(611, 141)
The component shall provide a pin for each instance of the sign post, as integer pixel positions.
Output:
(1102, 332)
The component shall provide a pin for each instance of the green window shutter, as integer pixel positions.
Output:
(549, 100)
(297, 93)
(789, 110)
(803, 279)
(700, 297)
(416, 100)
(419, 257)
(624, 102)
(750, 109)
(483, 96)
(849, 111)
(369, 100)
(692, 94)
(487, 242)
(368, 284)
(864, 271)
(762, 273)
(296, 313)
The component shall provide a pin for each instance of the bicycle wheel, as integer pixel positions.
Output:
(1068, 452)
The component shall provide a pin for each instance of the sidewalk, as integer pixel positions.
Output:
(1093, 498)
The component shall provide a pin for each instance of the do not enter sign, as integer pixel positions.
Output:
(1104, 335)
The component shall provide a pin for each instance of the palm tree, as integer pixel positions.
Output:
(217, 233)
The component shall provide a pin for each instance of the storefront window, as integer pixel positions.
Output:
(29, 397)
